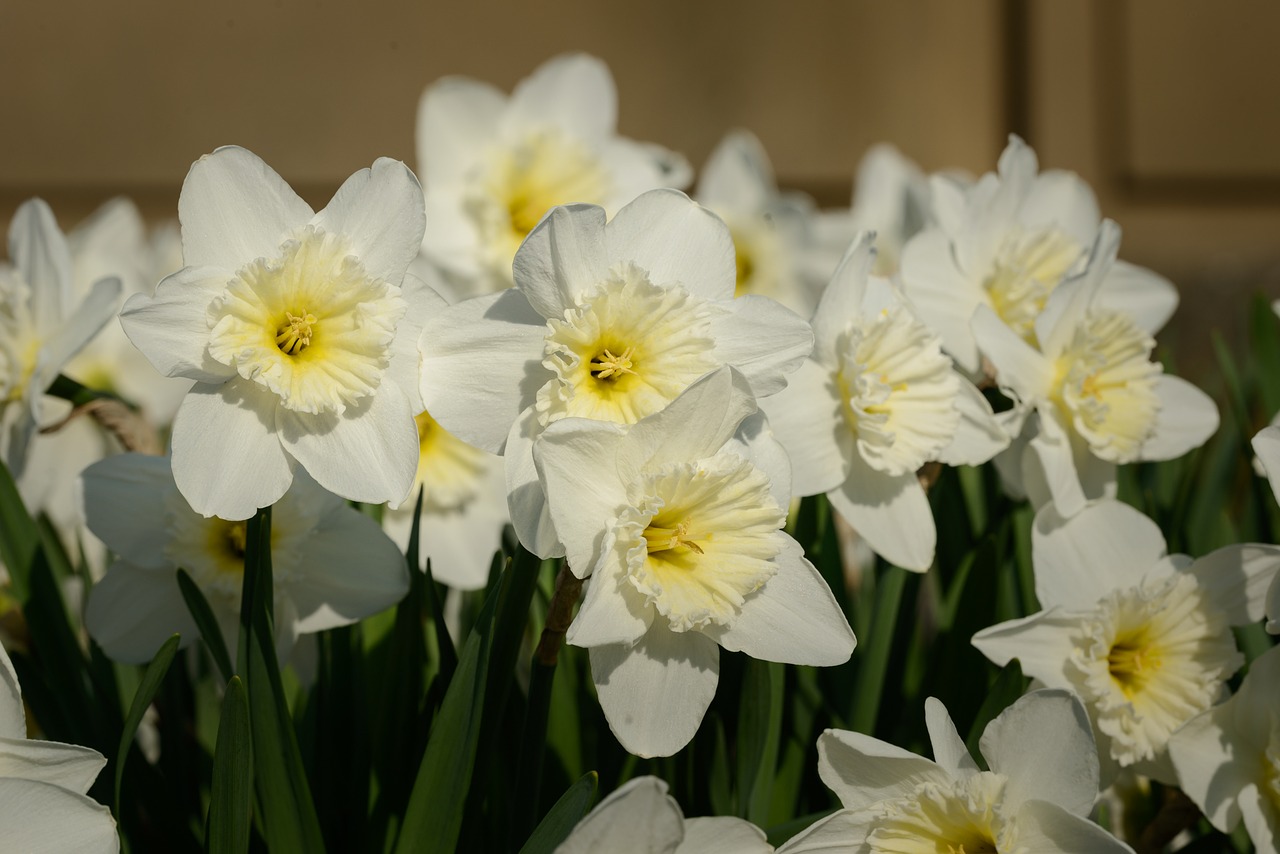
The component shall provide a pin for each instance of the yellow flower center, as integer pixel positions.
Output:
(1026, 269)
(608, 365)
(450, 470)
(295, 335)
(962, 817)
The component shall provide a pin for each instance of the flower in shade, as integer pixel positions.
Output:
(607, 321)
(493, 165)
(331, 565)
(43, 805)
(1091, 396)
(1007, 242)
(1142, 637)
(1042, 783)
(875, 401)
(677, 521)
(641, 818)
(1228, 758)
(1267, 446)
(299, 329)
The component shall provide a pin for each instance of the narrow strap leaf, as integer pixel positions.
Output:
(562, 818)
(231, 795)
(210, 631)
(142, 698)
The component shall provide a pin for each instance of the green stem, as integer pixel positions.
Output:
(875, 661)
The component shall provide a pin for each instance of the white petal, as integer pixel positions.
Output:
(13, 717)
(793, 618)
(755, 441)
(348, 570)
(806, 417)
(613, 612)
(979, 436)
(562, 258)
(577, 462)
(1106, 546)
(696, 424)
(39, 251)
(124, 500)
(1019, 367)
(482, 365)
(844, 832)
(862, 770)
(1236, 578)
(841, 301)
(573, 92)
(949, 750)
(1212, 764)
(457, 117)
(941, 294)
(526, 498)
(1187, 418)
(423, 302)
(723, 835)
(1147, 297)
(1267, 446)
(762, 339)
(638, 818)
(368, 453)
(1041, 643)
(227, 458)
(655, 693)
(677, 242)
(381, 211)
(85, 322)
(172, 327)
(1260, 818)
(132, 611)
(42, 819)
(891, 512)
(234, 209)
(737, 175)
(1049, 471)
(1062, 200)
(460, 544)
(1043, 826)
(1068, 304)
(1043, 743)
(67, 766)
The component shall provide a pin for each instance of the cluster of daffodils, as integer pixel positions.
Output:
(548, 334)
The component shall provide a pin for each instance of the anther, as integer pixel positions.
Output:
(295, 335)
(608, 365)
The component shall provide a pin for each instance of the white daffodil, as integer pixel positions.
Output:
(299, 329)
(42, 323)
(1042, 783)
(1095, 397)
(1142, 637)
(677, 519)
(641, 818)
(773, 232)
(877, 400)
(464, 507)
(331, 565)
(43, 805)
(609, 322)
(492, 166)
(1006, 243)
(1228, 758)
(1267, 447)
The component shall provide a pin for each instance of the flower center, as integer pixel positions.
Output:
(310, 325)
(899, 391)
(705, 535)
(960, 818)
(628, 349)
(1026, 269)
(1107, 385)
(1147, 660)
(449, 468)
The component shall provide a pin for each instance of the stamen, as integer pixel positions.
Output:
(294, 335)
(236, 535)
(661, 539)
(607, 365)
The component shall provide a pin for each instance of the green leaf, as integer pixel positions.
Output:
(560, 821)
(1008, 687)
(19, 538)
(210, 631)
(759, 730)
(231, 794)
(146, 692)
(875, 651)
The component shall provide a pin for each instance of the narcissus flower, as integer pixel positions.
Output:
(1267, 446)
(1094, 396)
(607, 321)
(331, 565)
(677, 520)
(641, 818)
(1228, 758)
(1042, 783)
(877, 400)
(493, 166)
(299, 329)
(1006, 243)
(1142, 637)
(43, 805)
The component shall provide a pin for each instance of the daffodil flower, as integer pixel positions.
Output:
(494, 165)
(1094, 396)
(875, 401)
(641, 818)
(1228, 758)
(1142, 637)
(677, 520)
(1042, 783)
(1267, 446)
(331, 564)
(1006, 243)
(607, 321)
(43, 805)
(299, 329)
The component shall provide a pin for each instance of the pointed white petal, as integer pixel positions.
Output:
(1079, 560)
(844, 832)
(1049, 471)
(422, 302)
(1043, 743)
(1061, 200)
(806, 418)
(1186, 419)
(737, 175)
(890, 512)
(638, 818)
(43, 819)
(99, 307)
(677, 242)
(380, 210)
(67, 766)
(723, 835)
(941, 294)
(562, 258)
(526, 497)
(1041, 643)
(949, 750)
(172, 327)
(39, 251)
(763, 340)
(573, 92)
(841, 301)
(612, 612)
(457, 116)
(1043, 826)
(696, 424)
(862, 770)
(124, 500)
(1212, 764)
(1147, 297)
(1267, 446)
(132, 611)
(1260, 818)
(1237, 578)
(577, 463)
(1020, 368)
(979, 436)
